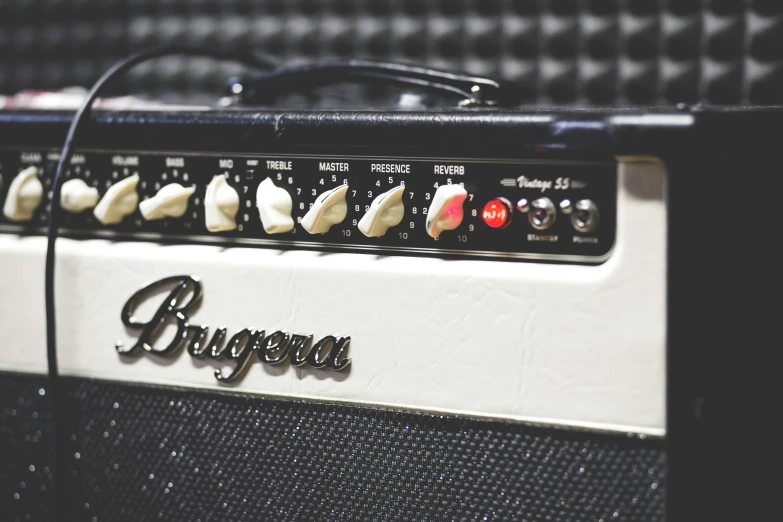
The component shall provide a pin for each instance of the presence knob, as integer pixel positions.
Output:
(221, 204)
(77, 196)
(446, 212)
(329, 209)
(24, 195)
(119, 201)
(386, 211)
(274, 206)
(170, 201)
(542, 213)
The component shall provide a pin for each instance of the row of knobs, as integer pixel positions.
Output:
(221, 204)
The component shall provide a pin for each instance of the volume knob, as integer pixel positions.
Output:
(77, 196)
(329, 209)
(386, 211)
(24, 195)
(221, 204)
(119, 201)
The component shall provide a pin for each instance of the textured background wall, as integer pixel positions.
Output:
(571, 52)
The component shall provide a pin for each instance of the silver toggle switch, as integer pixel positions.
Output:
(542, 213)
(585, 216)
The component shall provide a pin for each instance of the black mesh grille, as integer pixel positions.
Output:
(145, 453)
(26, 449)
(589, 52)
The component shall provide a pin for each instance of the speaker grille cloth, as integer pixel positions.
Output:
(147, 453)
(26, 449)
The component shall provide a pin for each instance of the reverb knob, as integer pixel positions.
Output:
(329, 209)
(77, 196)
(445, 212)
(119, 201)
(274, 206)
(221, 204)
(170, 201)
(386, 211)
(24, 195)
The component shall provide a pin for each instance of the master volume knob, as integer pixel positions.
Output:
(330, 208)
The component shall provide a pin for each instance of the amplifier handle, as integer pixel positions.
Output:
(264, 87)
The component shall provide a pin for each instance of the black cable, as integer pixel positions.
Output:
(244, 57)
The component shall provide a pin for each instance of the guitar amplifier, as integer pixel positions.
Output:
(341, 315)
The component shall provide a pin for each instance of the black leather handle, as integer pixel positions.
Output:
(262, 88)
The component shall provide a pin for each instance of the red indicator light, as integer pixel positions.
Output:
(496, 213)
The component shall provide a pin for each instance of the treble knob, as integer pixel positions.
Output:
(386, 211)
(170, 201)
(330, 208)
(274, 206)
(24, 195)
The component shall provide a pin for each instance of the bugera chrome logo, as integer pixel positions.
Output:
(329, 352)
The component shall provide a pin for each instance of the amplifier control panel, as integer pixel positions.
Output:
(446, 207)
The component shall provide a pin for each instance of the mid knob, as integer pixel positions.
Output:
(330, 208)
(446, 211)
(386, 211)
(170, 201)
(77, 196)
(221, 204)
(274, 206)
(119, 201)
(24, 195)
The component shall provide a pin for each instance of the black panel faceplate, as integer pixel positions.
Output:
(305, 178)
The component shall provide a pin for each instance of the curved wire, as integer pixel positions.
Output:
(244, 57)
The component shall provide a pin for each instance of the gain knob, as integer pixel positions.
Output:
(274, 206)
(386, 211)
(221, 204)
(77, 196)
(24, 195)
(170, 201)
(119, 201)
(446, 211)
(329, 209)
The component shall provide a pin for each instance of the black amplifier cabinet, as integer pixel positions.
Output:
(456, 315)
